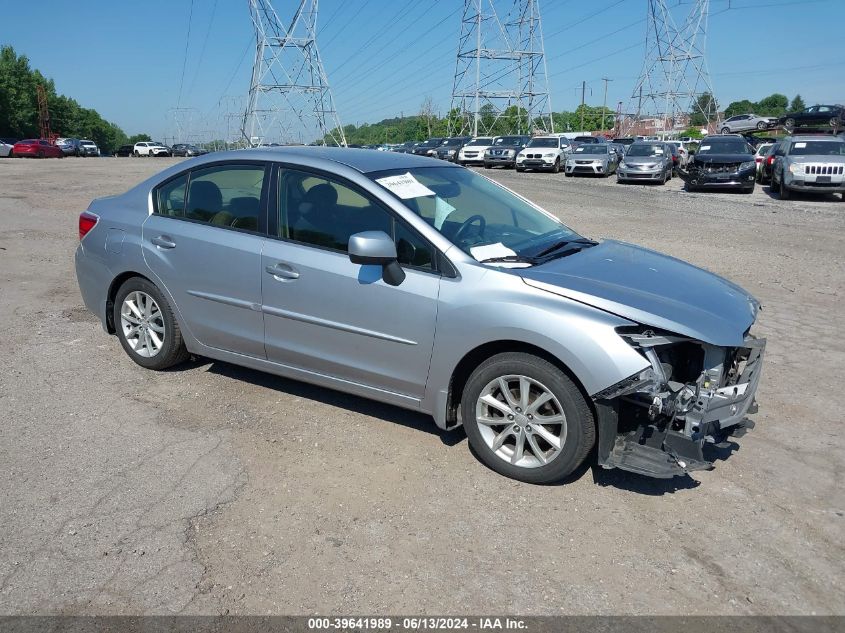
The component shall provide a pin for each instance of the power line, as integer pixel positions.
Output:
(185, 56)
(202, 50)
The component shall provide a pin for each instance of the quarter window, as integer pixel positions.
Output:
(171, 197)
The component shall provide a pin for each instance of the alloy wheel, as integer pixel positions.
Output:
(521, 421)
(142, 324)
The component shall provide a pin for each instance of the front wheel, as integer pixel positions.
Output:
(783, 191)
(146, 327)
(526, 419)
(761, 125)
(726, 130)
(556, 167)
(789, 124)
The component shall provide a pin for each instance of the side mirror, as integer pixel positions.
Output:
(376, 248)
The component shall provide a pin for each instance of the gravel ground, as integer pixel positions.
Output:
(215, 489)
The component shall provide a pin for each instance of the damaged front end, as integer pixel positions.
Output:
(657, 422)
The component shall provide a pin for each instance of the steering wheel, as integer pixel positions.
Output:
(463, 228)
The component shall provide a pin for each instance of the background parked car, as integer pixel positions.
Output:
(760, 156)
(592, 158)
(764, 171)
(723, 162)
(543, 153)
(185, 149)
(449, 148)
(682, 153)
(69, 146)
(6, 145)
(88, 148)
(405, 148)
(124, 150)
(811, 164)
(817, 115)
(36, 148)
(743, 122)
(503, 151)
(646, 160)
(428, 147)
(473, 152)
(150, 148)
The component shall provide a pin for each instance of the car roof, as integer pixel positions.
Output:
(362, 160)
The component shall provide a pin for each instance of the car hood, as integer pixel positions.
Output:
(722, 158)
(652, 289)
(815, 158)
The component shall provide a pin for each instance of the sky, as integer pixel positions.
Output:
(155, 65)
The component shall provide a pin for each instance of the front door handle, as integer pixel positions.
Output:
(283, 271)
(162, 241)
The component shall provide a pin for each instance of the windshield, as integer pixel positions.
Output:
(453, 141)
(724, 146)
(432, 142)
(508, 140)
(817, 148)
(592, 148)
(763, 149)
(645, 149)
(480, 141)
(472, 211)
(543, 142)
(86, 142)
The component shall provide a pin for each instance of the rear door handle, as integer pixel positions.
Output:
(162, 241)
(283, 271)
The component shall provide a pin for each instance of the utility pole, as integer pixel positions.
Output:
(604, 106)
(500, 66)
(289, 96)
(583, 90)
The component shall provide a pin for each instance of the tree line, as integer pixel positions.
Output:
(19, 108)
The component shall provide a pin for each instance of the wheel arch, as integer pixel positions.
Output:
(474, 357)
(115, 285)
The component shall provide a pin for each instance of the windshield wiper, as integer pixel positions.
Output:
(521, 259)
(583, 241)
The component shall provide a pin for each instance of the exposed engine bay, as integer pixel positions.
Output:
(657, 421)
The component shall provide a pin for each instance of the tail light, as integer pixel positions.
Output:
(87, 221)
(771, 160)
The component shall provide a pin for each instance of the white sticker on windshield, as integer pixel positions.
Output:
(658, 151)
(704, 147)
(799, 145)
(405, 186)
(489, 251)
(442, 209)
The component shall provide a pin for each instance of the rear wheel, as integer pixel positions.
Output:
(726, 130)
(834, 122)
(146, 327)
(526, 419)
(761, 125)
(789, 124)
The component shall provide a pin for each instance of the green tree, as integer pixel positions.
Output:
(705, 109)
(797, 104)
(740, 107)
(138, 138)
(773, 105)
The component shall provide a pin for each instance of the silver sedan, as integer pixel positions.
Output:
(425, 285)
(746, 122)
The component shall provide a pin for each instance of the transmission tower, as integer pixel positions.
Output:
(501, 82)
(674, 75)
(289, 98)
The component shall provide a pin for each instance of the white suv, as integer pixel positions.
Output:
(150, 148)
(473, 152)
(543, 152)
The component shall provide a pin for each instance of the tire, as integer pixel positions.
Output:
(783, 190)
(172, 350)
(486, 166)
(136, 154)
(726, 130)
(556, 166)
(834, 123)
(520, 169)
(748, 190)
(789, 124)
(40, 154)
(566, 403)
(761, 125)
(665, 178)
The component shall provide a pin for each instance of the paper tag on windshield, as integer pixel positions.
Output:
(489, 251)
(405, 186)
(800, 145)
(705, 147)
(442, 209)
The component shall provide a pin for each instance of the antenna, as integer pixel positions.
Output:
(674, 75)
(289, 98)
(501, 82)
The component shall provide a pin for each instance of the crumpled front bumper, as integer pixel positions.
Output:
(708, 414)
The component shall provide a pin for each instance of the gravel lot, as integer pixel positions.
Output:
(215, 489)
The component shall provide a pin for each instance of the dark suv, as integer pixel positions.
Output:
(427, 148)
(724, 161)
(503, 151)
(449, 149)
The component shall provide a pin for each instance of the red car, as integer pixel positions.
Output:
(36, 148)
